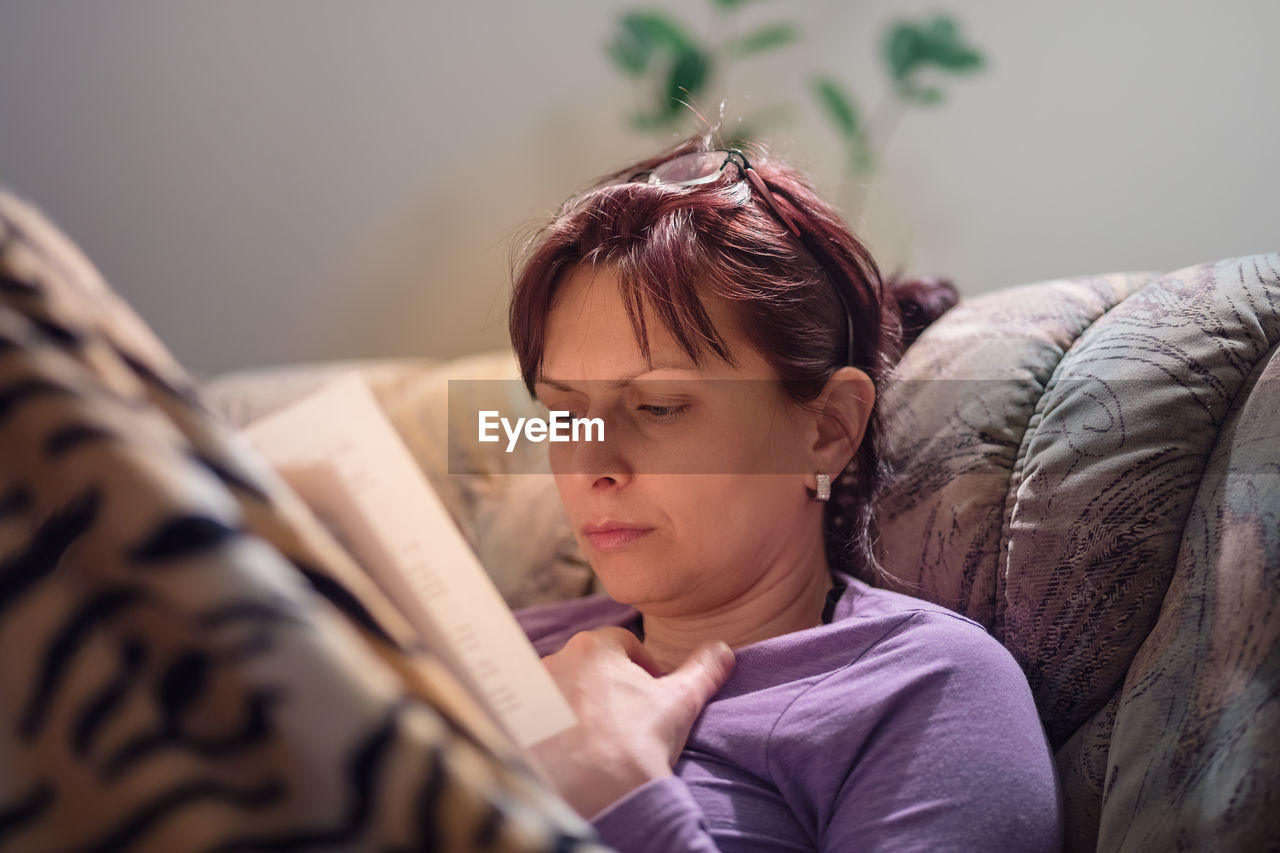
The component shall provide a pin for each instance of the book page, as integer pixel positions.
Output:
(342, 456)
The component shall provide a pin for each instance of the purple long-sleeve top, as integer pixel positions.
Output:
(897, 725)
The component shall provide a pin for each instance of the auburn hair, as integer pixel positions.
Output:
(673, 247)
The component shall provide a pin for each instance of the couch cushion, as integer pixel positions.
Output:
(957, 410)
(1097, 508)
(1197, 728)
(1109, 469)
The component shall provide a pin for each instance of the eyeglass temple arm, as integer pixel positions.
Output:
(757, 183)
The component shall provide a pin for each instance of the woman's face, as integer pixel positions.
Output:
(697, 539)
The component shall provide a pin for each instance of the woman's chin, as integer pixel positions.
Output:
(624, 581)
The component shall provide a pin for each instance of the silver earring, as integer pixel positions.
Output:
(824, 488)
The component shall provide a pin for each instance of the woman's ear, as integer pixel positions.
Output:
(844, 407)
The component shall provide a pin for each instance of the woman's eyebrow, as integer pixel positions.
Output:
(620, 381)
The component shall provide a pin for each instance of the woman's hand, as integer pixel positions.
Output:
(632, 721)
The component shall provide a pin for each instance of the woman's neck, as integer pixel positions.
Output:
(771, 607)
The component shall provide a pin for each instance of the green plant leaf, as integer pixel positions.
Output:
(656, 28)
(838, 106)
(909, 47)
(765, 38)
(643, 35)
(628, 55)
(683, 81)
(731, 4)
(941, 28)
(687, 77)
(946, 49)
(902, 50)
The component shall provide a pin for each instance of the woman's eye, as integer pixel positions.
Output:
(664, 413)
(557, 406)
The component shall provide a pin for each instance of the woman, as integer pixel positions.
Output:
(731, 334)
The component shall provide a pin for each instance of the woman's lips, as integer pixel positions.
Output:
(617, 538)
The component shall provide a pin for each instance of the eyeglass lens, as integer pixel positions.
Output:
(698, 166)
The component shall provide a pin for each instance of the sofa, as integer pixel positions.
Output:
(1089, 467)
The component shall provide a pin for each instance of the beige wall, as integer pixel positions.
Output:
(283, 181)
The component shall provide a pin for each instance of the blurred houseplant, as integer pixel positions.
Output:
(676, 69)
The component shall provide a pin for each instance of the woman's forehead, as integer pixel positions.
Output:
(589, 333)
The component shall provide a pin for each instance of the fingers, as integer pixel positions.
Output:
(598, 671)
(616, 640)
(634, 649)
(691, 684)
(696, 680)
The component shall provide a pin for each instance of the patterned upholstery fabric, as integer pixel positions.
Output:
(187, 660)
(1091, 468)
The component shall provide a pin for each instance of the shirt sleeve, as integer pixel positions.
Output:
(957, 759)
(658, 817)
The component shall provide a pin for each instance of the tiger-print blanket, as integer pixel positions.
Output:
(187, 660)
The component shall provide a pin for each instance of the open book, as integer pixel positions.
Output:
(342, 456)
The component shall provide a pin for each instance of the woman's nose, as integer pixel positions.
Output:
(594, 463)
